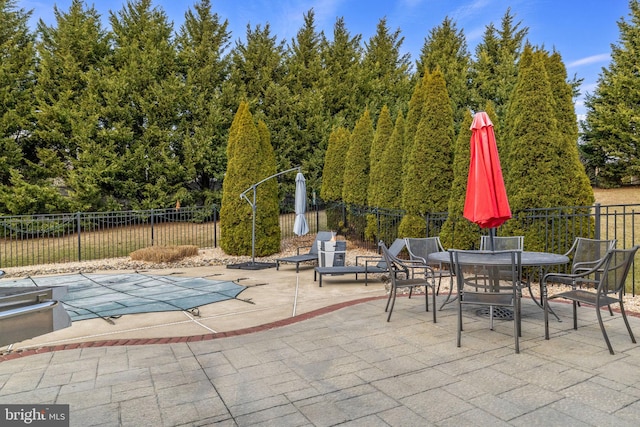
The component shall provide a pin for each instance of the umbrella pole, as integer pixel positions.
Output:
(295, 298)
(492, 235)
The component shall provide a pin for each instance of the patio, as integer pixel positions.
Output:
(251, 362)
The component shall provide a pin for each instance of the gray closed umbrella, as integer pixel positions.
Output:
(300, 226)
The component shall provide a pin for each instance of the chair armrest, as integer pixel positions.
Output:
(585, 265)
(577, 276)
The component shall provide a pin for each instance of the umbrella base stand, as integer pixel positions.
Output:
(499, 313)
(252, 265)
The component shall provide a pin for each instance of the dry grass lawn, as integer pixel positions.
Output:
(617, 196)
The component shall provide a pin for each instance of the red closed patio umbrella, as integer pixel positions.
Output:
(486, 202)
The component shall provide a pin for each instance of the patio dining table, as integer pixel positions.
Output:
(542, 260)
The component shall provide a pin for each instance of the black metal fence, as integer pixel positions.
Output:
(44, 239)
(557, 226)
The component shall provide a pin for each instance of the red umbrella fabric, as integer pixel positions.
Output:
(486, 202)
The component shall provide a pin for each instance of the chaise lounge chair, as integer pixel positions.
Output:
(372, 264)
(312, 255)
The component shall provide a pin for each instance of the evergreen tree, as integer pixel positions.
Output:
(333, 175)
(16, 87)
(357, 164)
(414, 115)
(377, 174)
(268, 208)
(610, 130)
(381, 139)
(72, 55)
(385, 72)
(243, 170)
(142, 112)
(579, 193)
(341, 60)
(446, 48)
(535, 148)
(256, 65)
(427, 185)
(333, 172)
(495, 70)
(303, 133)
(204, 121)
(389, 194)
(388, 186)
(457, 231)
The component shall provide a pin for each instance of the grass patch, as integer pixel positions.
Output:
(159, 254)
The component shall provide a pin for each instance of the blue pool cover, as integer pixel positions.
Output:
(109, 295)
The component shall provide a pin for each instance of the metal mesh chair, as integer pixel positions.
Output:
(502, 243)
(500, 291)
(612, 271)
(408, 274)
(420, 248)
(585, 254)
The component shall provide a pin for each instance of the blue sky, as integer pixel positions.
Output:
(581, 30)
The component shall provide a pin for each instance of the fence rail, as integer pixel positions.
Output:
(58, 238)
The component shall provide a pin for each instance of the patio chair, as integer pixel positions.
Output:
(502, 292)
(365, 264)
(584, 254)
(402, 275)
(420, 248)
(311, 255)
(612, 271)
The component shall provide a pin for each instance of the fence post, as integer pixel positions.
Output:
(315, 207)
(79, 227)
(152, 230)
(598, 218)
(215, 226)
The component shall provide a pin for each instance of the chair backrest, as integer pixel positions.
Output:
(322, 236)
(420, 248)
(586, 253)
(393, 250)
(615, 270)
(502, 243)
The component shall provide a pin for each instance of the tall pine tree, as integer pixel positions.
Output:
(427, 185)
(446, 48)
(356, 164)
(204, 69)
(613, 111)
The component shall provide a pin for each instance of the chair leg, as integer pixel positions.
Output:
(604, 332)
(575, 315)
(459, 323)
(545, 307)
(439, 282)
(448, 298)
(433, 296)
(626, 322)
(388, 299)
(392, 304)
(426, 298)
